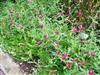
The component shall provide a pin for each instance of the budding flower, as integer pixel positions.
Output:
(90, 72)
(82, 63)
(38, 43)
(64, 56)
(68, 64)
(56, 32)
(92, 54)
(45, 35)
(41, 26)
(87, 52)
(52, 71)
(82, 29)
(74, 30)
(56, 43)
(74, 59)
(40, 16)
(10, 23)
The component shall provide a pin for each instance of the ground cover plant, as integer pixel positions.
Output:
(64, 39)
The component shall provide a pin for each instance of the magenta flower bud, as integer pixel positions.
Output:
(41, 26)
(10, 23)
(56, 32)
(79, 23)
(79, 63)
(87, 52)
(82, 62)
(52, 71)
(92, 54)
(56, 43)
(93, 24)
(68, 64)
(46, 46)
(79, 13)
(90, 72)
(38, 43)
(95, 18)
(45, 35)
(40, 16)
(82, 29)
(74, 59)
(64, 56)
(74, 30)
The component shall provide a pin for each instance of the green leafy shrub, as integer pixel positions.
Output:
(65, 44)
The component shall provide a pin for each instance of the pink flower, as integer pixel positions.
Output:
(38, 43)
(87, 52)
(56, 43)
(92, 54)
(56, 32)
(64, 56)
(95, 18)
(46, 46)
(79, 63)
(40, 16)
(10, 23)
(74, 59)
(45, 35)
(52, 71)
(41, 26)
(93, 24)
(79, 23)
(82, 29)
(68, 64)
(79, 13)
(90, 72)
(82, 62)
(74, 30)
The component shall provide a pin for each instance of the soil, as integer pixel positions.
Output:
(26, 67)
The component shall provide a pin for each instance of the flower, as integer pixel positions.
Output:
(56, 32)
(74, 59)
(45, 35)
(90, 72)
(68, 64)
(40, 16)
(64, 56)
(74, 30)
(87, 52)
(82, 63)
(93, 24)
(56, 43)
(95, 18)
(79, 13)
(79, 63)
(92, 54)
(82, 29)
(52, 71)
(38, 43)
(10, 23)
(41, 26)
(46, 46)
(79, 23)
